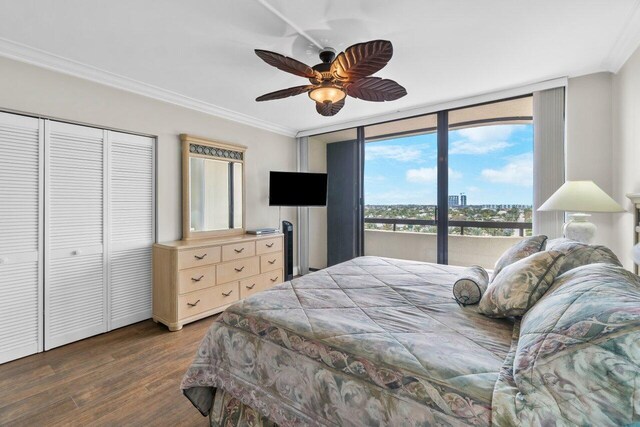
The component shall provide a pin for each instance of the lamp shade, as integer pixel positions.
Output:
(580, 196)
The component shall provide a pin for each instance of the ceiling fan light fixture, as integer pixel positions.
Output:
(348, 73)
(326, 94)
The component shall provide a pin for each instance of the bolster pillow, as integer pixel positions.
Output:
(470, 285)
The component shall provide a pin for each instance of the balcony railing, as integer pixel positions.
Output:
(520, 226)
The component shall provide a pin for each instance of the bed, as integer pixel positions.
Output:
(372, 341)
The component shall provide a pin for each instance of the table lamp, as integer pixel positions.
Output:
(580, 197)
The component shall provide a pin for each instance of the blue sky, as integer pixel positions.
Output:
(490, 164)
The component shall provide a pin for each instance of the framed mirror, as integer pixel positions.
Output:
(212, 188)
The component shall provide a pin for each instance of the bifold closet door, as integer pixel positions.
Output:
(20, 236)
(131, 227)
(75, 258)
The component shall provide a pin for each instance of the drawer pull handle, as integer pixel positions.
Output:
(227, 294)
(239, 269)
(239, 250)
(269, 245)
(201, 257)
(252, 286)
(198, 279)
(271, 262)
(274, 279)
(194, 304)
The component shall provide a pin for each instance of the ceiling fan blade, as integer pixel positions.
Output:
(362, 60)
(328, 108)
(287, 64)
(285, 93)
(375, 89)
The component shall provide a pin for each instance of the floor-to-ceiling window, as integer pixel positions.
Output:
(401, 188)
(490, 185)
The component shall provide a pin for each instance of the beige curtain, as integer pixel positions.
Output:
(548, 157)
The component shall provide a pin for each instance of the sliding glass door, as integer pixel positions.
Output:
(401, 189)
(490, 179)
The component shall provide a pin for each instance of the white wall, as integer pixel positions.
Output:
(29, 89)
(317, 215)
(589, 148)
(626, 158)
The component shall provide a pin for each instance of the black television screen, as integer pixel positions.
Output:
(297, 189)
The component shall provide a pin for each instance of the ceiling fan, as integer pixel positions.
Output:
(338, 76)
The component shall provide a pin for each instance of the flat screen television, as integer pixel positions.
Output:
(297, 189)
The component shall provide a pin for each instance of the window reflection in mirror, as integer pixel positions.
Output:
(210, 194)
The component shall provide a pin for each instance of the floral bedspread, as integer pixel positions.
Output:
(372, 341)
(575, 358)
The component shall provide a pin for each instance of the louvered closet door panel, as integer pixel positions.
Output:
(75, 285)
(131, 225)
(20, 237)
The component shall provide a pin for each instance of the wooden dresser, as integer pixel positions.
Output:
(193, 279)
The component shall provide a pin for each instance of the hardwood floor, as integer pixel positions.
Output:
(130, 376)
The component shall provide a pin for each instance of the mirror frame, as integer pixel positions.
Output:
(239, 156)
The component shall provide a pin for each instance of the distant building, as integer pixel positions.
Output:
(463, 199)
(454, 200)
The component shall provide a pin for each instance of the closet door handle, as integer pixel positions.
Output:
(239, 250)
(239, 269)
(251, 287)
(271, 262)
(269, 245)
(200, 257)
(198, 279)
(274, 279)
(194, 304)
(227, 294)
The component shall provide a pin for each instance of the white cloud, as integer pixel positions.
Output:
(428, 175)
(519, 171)
(483, 139)
(393, 152)
(472, 147)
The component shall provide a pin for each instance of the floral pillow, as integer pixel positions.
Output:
(519, 285)
(520, 250)
(470, 285)
(579, 254)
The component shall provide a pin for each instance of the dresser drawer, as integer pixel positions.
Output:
(198, 257)
(238, 250)
(272, 278)
(251, 285)
(271, 262)
(192, 279)
(236, 270)
(269, 245)
(207, 299)
(259, 283)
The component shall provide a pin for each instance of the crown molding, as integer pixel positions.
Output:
(627, 42)
(42, 59)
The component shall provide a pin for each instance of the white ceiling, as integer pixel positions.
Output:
(199, 53)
